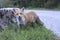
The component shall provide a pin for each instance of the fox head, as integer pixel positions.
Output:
(19, 12)
(19, 16)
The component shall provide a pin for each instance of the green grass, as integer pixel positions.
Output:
(31, 8)
(30, 33)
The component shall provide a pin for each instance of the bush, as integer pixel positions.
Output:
(32, 3)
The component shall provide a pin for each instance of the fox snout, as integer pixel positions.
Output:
(19, 18)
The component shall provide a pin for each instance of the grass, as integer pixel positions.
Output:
(30, 33)
(31, 8)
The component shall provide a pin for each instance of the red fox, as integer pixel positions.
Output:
(31, 17)
(19, 16)
(25, 18)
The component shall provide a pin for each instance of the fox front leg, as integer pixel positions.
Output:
(18, 23)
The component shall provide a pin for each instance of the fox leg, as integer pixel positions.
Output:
(18, 26)
(33, 23)
(24, 26)
(18, 23)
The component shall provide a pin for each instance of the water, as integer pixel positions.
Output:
(51, 19)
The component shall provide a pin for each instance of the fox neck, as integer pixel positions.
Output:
(26, 18)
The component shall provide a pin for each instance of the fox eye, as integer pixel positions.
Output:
(20, 13)
(17, 14)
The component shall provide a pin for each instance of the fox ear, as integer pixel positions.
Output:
(22, 9)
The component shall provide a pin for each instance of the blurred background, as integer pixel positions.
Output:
(48, 4)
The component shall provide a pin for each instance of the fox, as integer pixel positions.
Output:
(25, 18)
(32, 18)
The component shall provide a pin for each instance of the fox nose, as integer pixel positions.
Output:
(19, 18)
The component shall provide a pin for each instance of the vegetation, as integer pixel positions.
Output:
(30, 33)
(49, 4)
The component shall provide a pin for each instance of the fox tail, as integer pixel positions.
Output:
(38, 21)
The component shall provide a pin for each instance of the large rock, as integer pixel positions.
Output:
(7, 17)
